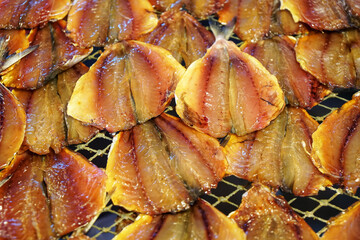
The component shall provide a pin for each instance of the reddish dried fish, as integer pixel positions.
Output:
(76, 131)
(278, 56)
(76, 190)
(48, 125)
(32, 71)
(162, 166)
(130, 82)
(31, 13)
(263, 215)
(336, 145)
(258, 19)
(202, 221)
(12, 126)
(345, 226)
(279, 155)
(24, 211)
(321, 15)
(226, 90)
(328, 57)
(181, 34)
(95, 22)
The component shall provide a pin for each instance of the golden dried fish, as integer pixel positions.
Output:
(31, 13)
(181, 34)
(258, 19)
(76, 190)
(336, 145)
(278, 56)
(263, 215)
(48, 125)
(95, 22)
(130, 82)
(162, 166)
(32, 71)
(279, 155)
(12, 126)
(44, 199)
(202, 221)
(226, 90)
(345, 226)
(24, 211)
(328, 57)
(321, 15)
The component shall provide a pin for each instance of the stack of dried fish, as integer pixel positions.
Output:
(292, 55)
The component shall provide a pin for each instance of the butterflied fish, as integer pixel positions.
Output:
(336, 147)
(32, 71)
(202, 221)
(48, 126)
(278, 56)
(228, 90)
(25, 212)
(328, 15)
(162, 166)
(328, 57)
(279, 155)
(31, 13)
(263, 215)
(181, 34)
(95, 22)
(256, 20)
(47, 198)
(131, 82)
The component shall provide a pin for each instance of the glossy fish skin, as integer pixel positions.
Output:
(95, 22)
(327, 56)
(278, 56)
(228, 90)
(32, 72)
(263, 215)
(76, 190)
(181, 34)
(45, 126)
(76, 131)
(30, 14)
(50, 196)
(256, 20)
(345, 225)
(335, 145)
(321, 15)
(12, 126)
(25, 212)
(162, 166)
(202, 221)
(144, 77)
(278, 155)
